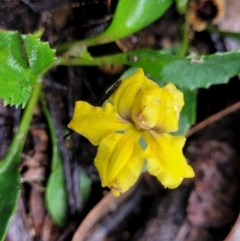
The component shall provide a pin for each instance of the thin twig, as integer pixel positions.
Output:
(213, 118)
(56, 118)
(235, 231)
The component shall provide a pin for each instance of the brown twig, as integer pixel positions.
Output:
(235, 231)
(213, 118)
(53, 102)
(108, 204)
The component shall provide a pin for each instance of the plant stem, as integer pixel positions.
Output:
(185, 42)
(86, 43)
(97, 61)
(50, 125)
(13, 156)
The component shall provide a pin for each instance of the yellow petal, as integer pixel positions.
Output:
(120, 160)
(171, 103)
(104, 155)
(165, 159)
(95, 123)
(146, 107)
(125, 95)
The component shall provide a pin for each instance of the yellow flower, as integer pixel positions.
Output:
(131, 129)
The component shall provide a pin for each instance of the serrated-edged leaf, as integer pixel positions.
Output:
(23, 58)
(9, 192)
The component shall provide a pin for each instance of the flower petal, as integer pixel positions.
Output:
(120, 160)
(171, 103)
(125, 95)
(165, 159)
(95, 123)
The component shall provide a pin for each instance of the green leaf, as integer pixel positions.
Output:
(188, 113)
(130, 71)
(23, 58)
(185, 72)
(190, 73)
(56, 196)
(129, 17)
(9, 192)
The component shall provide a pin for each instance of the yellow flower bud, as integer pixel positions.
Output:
(146, 108)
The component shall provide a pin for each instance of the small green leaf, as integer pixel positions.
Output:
(23, 58)
(56, 196)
